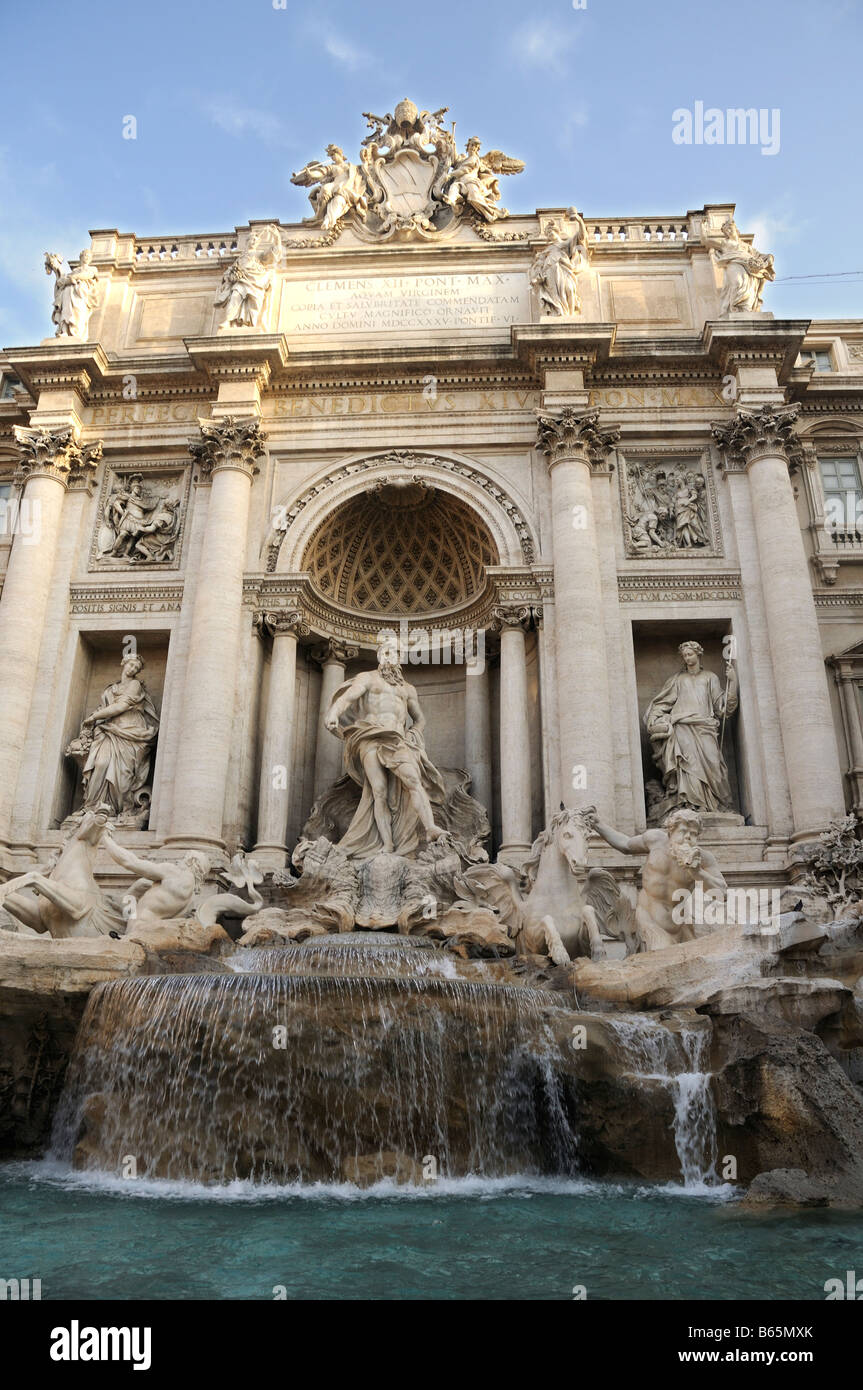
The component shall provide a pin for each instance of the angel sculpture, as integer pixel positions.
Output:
(472, 180)
(336, 187)
(75, 293)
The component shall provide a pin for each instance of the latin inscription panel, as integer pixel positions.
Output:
(401, 303)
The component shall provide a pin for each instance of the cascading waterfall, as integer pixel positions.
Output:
(314, 1063)
(679, 1060)
(348, 958)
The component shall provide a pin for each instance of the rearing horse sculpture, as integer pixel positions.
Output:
(558, 911)
(66, 900)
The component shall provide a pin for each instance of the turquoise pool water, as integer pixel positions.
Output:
(93, 1237)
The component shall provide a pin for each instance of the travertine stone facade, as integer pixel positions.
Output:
(275, 441)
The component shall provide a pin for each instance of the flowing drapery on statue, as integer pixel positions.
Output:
(116, 743)
(386, 757)
(683, 722)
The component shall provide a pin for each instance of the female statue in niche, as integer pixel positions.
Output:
(115, 744)
(684, 721)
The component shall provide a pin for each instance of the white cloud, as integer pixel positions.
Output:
(772, 227)
(247, 120)
(345, 53)
(339, 47)
(542, 43)
(574, 121)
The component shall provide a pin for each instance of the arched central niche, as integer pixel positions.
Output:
(402, 547)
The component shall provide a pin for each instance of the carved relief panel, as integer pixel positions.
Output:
(668, 504)
(141, 517)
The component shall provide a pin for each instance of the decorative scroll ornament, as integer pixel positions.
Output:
(411, 179)
(228, 443)
(754, 433)
(574, 433)
(55, 454)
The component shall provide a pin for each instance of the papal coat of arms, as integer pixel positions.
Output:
(411, 178)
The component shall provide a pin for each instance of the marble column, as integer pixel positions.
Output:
(574, 445)
(48, 457)
(277, 749)
(477, 730)
(848, 680)
(227, 452)
(515, 789)
(762, 442)
(332, 657)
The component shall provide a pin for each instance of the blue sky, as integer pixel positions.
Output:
(231, 95)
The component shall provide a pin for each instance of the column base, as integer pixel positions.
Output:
(269, 857)
(513, 854)
(205, 844)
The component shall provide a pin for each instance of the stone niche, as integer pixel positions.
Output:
(96, 666)
(656, 658)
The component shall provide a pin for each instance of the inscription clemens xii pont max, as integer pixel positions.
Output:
(380, 302)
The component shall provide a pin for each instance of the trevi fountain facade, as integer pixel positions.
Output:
(431, 691)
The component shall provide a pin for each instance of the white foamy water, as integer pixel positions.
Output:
(679, 1061)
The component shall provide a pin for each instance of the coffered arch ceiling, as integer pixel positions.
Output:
(401, 547)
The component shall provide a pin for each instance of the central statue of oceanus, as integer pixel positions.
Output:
(378, 716)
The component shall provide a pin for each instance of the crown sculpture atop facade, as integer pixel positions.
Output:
(411, 178)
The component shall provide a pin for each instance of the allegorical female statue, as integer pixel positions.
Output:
(746, 270)
(555, 271)
(684, 723)
(115, 744)
(246, 283)
(75, 294)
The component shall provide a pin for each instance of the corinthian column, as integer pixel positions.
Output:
(847, 679)
(49, 458)
(332, 657)
(226, 453)
(277, 760)
(515, 825)
(761, 441)
(477, 731)
(574, 445)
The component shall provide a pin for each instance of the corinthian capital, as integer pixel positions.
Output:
(281, 620)
(228, 443)
(510, 615)
(55, 453)
(335, 650)
(754, 434)
(574, 434)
